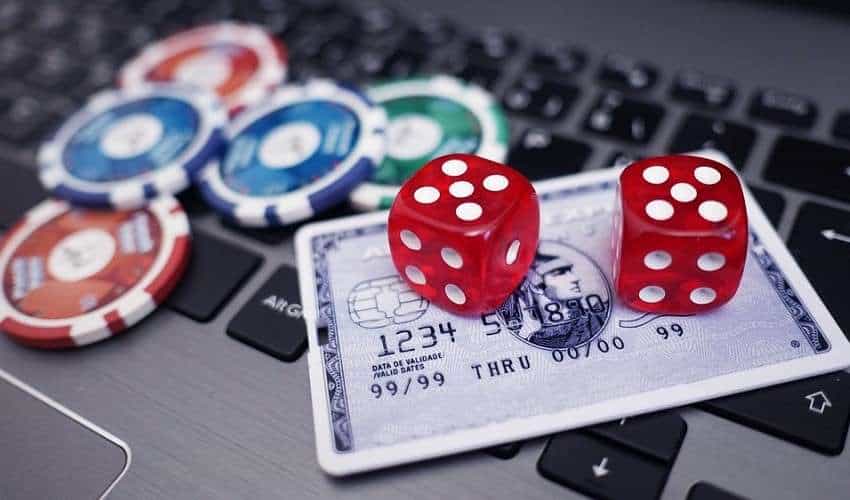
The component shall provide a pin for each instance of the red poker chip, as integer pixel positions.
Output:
(241, 62)
(74, 276)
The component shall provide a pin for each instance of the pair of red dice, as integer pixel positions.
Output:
(463, 232)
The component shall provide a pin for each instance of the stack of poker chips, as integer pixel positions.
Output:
(210, 107)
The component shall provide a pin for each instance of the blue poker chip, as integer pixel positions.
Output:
(125, 147)
(298, 153)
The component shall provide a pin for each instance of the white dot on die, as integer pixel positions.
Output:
(683, 192)
(651, 294)
(426, 195)
(512, 253)
(495, 182)
(659, 209)
(656, 174)
(468, 211)
(451, 257)
(657, 260)
(454, 167)
(455, 294)
(712, 211)
(711, 261)
(703, 295)
(707, 175)
(410, 239)
(461, 189)
(415, 275)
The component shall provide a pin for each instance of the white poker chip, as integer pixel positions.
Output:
(127, 146)
(297, 154)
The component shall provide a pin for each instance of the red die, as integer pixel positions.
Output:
(680, 234)
(463, 231)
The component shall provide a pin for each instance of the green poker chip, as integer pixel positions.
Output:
(430, 117)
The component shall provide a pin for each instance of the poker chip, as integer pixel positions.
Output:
(298, 153)
(74, 276)
(241, 62)
(430, 117)
(127, 146)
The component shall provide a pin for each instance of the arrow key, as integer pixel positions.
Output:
(820, 241)
(659, 434)
(600, 469)
(813, 413)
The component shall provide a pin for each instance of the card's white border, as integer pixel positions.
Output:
(340, 464)
(8, 377)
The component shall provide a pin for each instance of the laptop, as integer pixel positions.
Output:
(198, 401)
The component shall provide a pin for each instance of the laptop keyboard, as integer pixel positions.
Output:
(53, 55)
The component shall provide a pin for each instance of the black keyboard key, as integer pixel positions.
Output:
(492, 46)
(369, 63)
(772, 203)
(813, 413)
(335, 52)
(271, 320)
(622, 159)
(26, 120)
(820, 241)
(23, 192)
(14, 57)
(216, 271)
(659, 435)
(540, 154)
(700, 132)
(193, 202)
(429, 32)
(377, 21)
(56, 70)
(810, 166)
(52, 20)
(533, 96)
(624, 118)
(601, 469)
(402, 64)
(707, 491)
(783, 108)
(558, 61)
(505, 451)
(277, 17)
(101, 74)
(12, 14)
(841, 127)
(627, 73)
(696, 87)
(485, 76)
